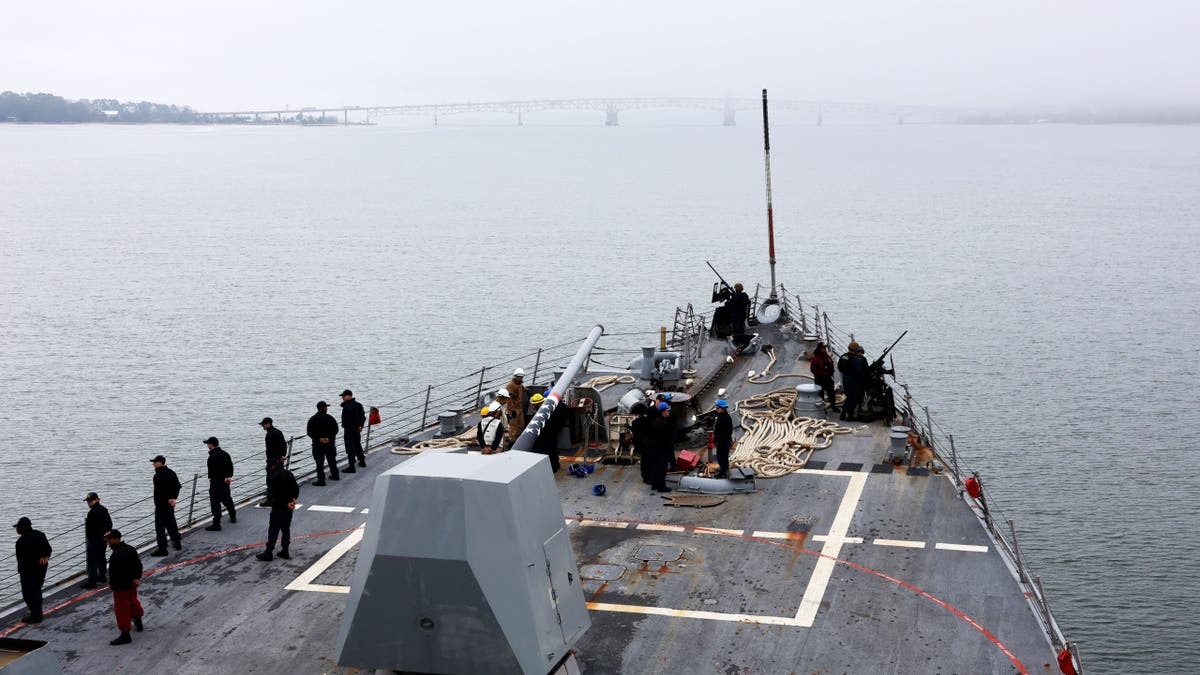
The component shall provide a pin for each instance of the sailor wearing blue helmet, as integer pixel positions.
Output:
(723, 437)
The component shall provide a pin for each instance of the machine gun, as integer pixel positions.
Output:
(877, 365)
(880, 399)
(721, 290)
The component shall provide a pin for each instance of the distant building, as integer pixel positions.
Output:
(111, 115)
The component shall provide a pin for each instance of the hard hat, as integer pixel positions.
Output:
(721, 403)
(664, 406)
(519, 372)
(501, 393)
(537, 398)
(485, 411)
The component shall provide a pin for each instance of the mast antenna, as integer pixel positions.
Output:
(770, 211)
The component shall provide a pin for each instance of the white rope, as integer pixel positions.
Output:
(756, 378)
(602, 382)
(775, 442)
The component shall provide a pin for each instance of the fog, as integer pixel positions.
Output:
(223, 55)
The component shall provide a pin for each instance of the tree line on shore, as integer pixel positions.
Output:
(51, 109)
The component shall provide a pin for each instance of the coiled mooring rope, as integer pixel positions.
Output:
(756, 378)
(775, 441)
(602, 382)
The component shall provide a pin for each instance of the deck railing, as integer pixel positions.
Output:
(1000, 528)
(400, 418)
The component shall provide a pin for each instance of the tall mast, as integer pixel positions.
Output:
(770, 210)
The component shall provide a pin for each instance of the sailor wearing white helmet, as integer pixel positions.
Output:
(515, 406)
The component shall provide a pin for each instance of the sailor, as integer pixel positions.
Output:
(546, 442)
(276, 449)
(516, 404)
(821, 366)
(95, 526)
(125, 575)
(643, 444)
(490, 430)
(322, 429)
(500, 401)
(282, 491)
(854, 379)
(353, 419)
(739, 309)
(723, 437)
(33, 557)
(663, 438)
(220, 477)
(166, 491)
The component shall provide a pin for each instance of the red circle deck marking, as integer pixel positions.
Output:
(167, 568)
(862, 568)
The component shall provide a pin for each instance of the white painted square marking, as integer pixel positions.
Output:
(304, 582)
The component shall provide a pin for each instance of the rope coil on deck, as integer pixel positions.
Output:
(602, 382)
(771, 353)
(467, 437)
(776, 442)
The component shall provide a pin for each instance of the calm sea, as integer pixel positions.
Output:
(161, 284)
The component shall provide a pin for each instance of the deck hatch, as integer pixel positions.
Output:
(657, 553)
(602, 572)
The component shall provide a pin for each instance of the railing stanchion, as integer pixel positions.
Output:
(953, 459)
(1045, 606)
(425, 409)
(1012, 528)
(928, 429)
(1075, 652)
(287, 461)
(479, 389)
(825, 320)
(537, 363)
(192, 504)
(367, 443)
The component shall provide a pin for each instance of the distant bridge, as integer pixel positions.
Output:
(611, 107)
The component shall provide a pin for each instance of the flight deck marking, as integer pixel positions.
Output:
(904, 543)
(304, 582)
(961, 547)
(333, 509)
(830, 549)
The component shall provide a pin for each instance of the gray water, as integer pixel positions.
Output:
(161, 284)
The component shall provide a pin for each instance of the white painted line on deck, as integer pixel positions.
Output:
(304, 582)
(333, 509)
(603, 523)
(365, 511)
(762, 534)
(721, 530)
(831, 549)
(961, 547)
(904, 543)
(661, 528)
(845, 540)
(693, 614)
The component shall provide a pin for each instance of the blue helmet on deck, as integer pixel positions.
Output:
(664, 406)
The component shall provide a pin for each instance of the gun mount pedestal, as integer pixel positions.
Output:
(465, 567)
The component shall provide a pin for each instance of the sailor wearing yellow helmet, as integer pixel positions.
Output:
(546, 442)
(490, 430)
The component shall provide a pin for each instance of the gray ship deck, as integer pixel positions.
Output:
(841, 567)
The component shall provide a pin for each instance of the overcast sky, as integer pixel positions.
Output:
(217, 54)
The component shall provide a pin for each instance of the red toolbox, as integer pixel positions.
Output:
(688, 460)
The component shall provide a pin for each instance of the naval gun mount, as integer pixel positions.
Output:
(465, 567)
